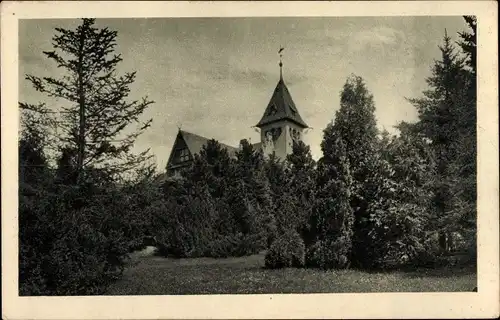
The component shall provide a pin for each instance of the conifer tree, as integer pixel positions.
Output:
(355, 125)
(277, 176)
(301, 185)
(211, 168)
(443, 111)
(467, 160)
(34, 179)
(251, 199)
(332, 220)
(468, 42)
(97, 112)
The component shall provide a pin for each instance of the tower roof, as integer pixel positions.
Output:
(281, 107)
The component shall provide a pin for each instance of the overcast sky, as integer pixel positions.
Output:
(215, 76)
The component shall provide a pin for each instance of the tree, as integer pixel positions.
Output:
(468, 136)
(332, 220)
(301, 185)
(94, 120)
(67, 245)
(355, 125)
(445, 114)
(33, 161)
(274, 169)
(250, 198)
(211, 167)
(400, 218)
(468, 42)
(69, 242)
(34, 178)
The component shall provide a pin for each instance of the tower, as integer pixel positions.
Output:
(281, 123)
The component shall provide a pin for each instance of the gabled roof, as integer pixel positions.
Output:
(281, 107)
(196, 142)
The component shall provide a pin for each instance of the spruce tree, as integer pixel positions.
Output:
(97, 112)
(467, 160)
(443, 112)
(468, 42)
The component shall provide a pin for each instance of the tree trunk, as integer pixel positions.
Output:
(81, 103)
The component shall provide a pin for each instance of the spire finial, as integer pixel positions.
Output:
(281, 62)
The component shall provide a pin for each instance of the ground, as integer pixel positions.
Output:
(151, 275)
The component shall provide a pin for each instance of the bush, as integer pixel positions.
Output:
(328, 254)
(66, 250)
(286, 251)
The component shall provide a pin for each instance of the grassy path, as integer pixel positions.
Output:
(150, 275)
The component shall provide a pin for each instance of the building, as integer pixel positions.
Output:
(280, 125)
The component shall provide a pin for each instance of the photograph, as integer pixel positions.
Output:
(246, 156)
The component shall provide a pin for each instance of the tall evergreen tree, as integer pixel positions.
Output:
(94, 120)
(251, 198)
(355, 125)
(445, 114)
(274, 168)
(301, 185)
(332, 220)
(468, 42)
(467, 146)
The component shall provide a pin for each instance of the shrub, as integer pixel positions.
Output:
(328, 253)
(66, 250)
(286, 251)
(223, 246)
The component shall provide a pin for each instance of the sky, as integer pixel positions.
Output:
(215, 76)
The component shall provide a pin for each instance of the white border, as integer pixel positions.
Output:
(484, 303)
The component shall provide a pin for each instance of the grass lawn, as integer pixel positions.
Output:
(150, 275)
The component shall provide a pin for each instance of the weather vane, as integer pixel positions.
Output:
(280, 52)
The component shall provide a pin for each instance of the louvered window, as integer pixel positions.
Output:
(182, 155)
(272, 110)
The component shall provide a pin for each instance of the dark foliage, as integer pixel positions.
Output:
(79, 220)
(372, 201)
(286, 251)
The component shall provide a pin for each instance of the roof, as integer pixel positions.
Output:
(196, 142)
(257, 146)
(281, 107)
